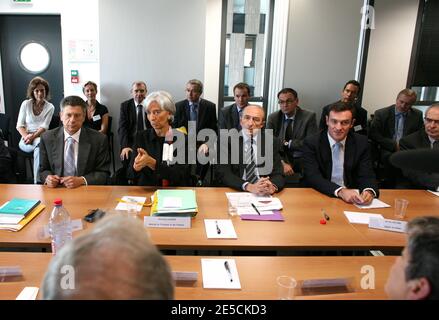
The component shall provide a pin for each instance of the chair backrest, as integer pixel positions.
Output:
(55, 122)
(5, 123)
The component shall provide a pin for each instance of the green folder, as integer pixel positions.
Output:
(188, 199)
(19, 206)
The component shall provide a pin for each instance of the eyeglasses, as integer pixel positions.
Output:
(430, 121)
(287, 102)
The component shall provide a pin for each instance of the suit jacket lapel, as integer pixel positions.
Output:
(235, 115)
(297, 123)
(280, 124)
(349, 153)
(83, 152)
(201, 114)
(392, 121)
(241, 156)
(326, 153)
(58, 152)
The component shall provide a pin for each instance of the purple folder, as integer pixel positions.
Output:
(276, 216)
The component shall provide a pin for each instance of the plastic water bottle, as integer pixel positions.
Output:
(59, 226)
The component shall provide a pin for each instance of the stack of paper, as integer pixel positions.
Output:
(243, 201)
(220, 274)
(172, 203)
(17, 226)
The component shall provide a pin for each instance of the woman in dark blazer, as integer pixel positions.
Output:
(160, 153)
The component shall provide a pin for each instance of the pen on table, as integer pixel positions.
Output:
(256, 209)
(226, 265)
(218, 230)
(325, 215)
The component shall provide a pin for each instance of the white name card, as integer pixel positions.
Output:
(388, 224)
(168, 222)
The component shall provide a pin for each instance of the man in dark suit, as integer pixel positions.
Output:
(291, 125)
(425, 138)
(202, 112)
(249, 173)
(229, 117)
(337, 161)
(389, 125)
(349, 94)
(132, 119)
(73, 155)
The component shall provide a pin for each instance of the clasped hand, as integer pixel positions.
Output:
(262, 187)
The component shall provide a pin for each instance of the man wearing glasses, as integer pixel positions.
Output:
(425, 138)
(258, 170)
(336, 161)
(291, 125)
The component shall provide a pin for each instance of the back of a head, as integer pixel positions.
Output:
(423, 249)
(116, 260)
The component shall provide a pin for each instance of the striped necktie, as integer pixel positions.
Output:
(69, 158)
(250, 164)
(337, 164)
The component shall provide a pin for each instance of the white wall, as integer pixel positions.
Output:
(322, 47)
(389, 52)
(159, 42)
(79, 21)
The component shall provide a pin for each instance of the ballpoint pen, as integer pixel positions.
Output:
(218, 230)
(256, 209)
(226, 265)
(325, 215)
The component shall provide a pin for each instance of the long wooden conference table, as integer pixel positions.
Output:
(257, 275)
(301, 229)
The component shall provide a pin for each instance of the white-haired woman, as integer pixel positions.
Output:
(160, 153)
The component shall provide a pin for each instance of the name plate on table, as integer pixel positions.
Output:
(168, 222)
(388, 224)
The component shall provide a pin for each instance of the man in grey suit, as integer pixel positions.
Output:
(230, 117)
(425, 138)
(291, 125)
(392, 123)
(73, 155)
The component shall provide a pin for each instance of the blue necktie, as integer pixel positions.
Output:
(193, 112)
(399, 125)
(69, 158)
(337, 164)
(250, 164)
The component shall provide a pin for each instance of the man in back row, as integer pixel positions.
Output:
(229, 117)
(336, 160)
(350, 93)
(291, 124)
(73, 155)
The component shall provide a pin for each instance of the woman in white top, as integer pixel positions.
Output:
(34, 118)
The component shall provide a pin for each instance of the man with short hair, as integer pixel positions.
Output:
(389, 125)
(337, 161)
(203, 113)
(425, 138)
(132, 119)
(249, 174)
(349, 94)
(291, 125)
(229, 117)
(114, 261)
(415, 275)
(73, 155)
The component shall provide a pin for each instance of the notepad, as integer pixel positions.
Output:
(220, 229)
(375, 204)
(360, 217)
(217, 276)
(28, 293)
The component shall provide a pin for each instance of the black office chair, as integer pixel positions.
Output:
(110, 136)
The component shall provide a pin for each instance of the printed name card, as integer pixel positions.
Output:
(185, 275)
(167, 222)
(388, 224)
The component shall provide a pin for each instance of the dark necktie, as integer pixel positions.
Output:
(436, 144)
(288, 134)
(250, 164)
(239, 120)
(140, 125)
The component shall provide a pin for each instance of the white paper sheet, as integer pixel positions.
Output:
(172, 202)
(28, 293)
(219, 229)
(124, 206)
(434, 192)
(217, 276)
(360, 217)
(375, 204)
